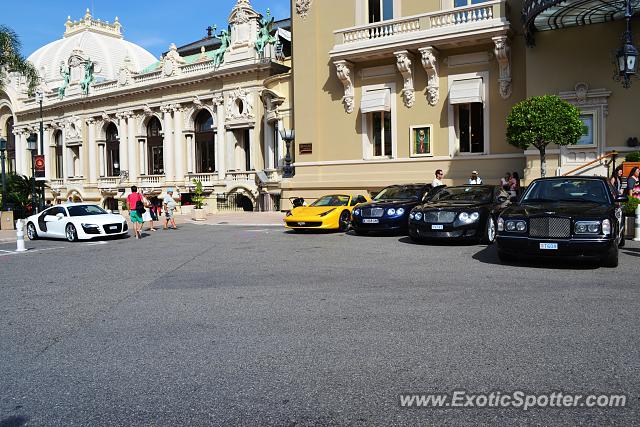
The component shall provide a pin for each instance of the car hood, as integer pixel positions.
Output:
(313, 210)
(455, 205)
(567, 209)
(390, 203)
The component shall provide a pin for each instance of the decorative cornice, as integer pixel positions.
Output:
(344, 70)
(218, 99)
(502, 50)
(404, 62)
(303, 7)
(430, 64)
(165, 109)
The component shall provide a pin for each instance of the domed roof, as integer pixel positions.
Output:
(97, 40)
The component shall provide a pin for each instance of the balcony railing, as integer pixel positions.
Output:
(457, 17)
(205, 178)
(147, 181)
(56, 183)
(108, 182)
(241, 176)
(76, 180)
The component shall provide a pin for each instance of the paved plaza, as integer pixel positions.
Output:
(215, 324)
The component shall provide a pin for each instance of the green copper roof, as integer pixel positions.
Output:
(188, 60)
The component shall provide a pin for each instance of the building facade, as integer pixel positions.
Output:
(115, 116)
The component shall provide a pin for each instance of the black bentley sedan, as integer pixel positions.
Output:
(462, 212)
(564, 216)
(389, 210)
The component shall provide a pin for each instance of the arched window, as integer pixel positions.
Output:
(113, 150)
(11, 146)
(154, 147)
(205, 145)
(58, 154)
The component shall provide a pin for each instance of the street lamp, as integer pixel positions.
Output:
(288, 135)
(3, 148)
(39, 99)
(627, 55)
(32, 146)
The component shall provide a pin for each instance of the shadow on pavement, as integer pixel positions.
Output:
(435, 242)
(489, 255)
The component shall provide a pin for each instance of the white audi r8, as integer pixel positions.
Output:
(76, 221)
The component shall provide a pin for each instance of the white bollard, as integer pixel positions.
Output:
(20, 236)
(637, 234)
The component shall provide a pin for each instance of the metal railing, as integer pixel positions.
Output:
(612, 154)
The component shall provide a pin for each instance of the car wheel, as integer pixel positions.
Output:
(31, 232)
(611, 260)
(489, 231)
(505, 257)
(71, 233)
(343, 222)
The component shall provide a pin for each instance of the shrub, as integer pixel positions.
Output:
(629, 208)
(198, 198)
(632, 157)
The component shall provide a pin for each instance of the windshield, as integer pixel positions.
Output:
(403, 193)
(335, 200)
(472, 193)
(568, 190)
(83, 210)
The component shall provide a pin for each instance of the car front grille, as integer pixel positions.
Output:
(372, 212)
(550, 227)
(112, 228)
(444, 217)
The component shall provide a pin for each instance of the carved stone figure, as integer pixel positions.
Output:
(502, 50)
(403, 62)
(430, 65)
(88, 77)
(303, 7)
(264, 33)
(65, 72)
(225, 42)
(344, 70)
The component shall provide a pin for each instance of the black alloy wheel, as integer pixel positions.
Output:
(343, 222)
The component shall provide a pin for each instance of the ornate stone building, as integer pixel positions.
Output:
(115, 116)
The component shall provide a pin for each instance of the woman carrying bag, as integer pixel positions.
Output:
(147, 216)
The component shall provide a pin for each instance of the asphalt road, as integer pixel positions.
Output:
(215, 325)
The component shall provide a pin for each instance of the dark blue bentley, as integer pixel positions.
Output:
(389, 210)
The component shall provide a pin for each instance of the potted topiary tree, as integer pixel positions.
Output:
(198, 201)
(542, 120)
(629, 211)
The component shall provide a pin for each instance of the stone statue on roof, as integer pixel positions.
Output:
(225, 42)
(264, 33)
(65, 73)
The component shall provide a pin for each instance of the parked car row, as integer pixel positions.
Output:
(559, 216)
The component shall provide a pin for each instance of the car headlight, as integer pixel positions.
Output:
(356, 212)
(521, 226)
(589, 227)
(400, 211)
(500, 224)
(90, 226)
(391, 211)
(418, 216)
(518, 226)
(411, 215)
(469, 218)
(327, 212)
(606, 227)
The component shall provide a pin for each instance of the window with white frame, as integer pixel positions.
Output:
(463, 3)
(380, 133)
(379, 10)
(377, 115)
(468, 113)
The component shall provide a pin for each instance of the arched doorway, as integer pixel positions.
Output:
(244, 203)
(112, 150)
(154, 147)
(205, 143)
(11, 146)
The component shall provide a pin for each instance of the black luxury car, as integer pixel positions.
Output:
(389, 209)
(564, 216)
(462, 212)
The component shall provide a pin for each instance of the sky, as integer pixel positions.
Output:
(152, 24)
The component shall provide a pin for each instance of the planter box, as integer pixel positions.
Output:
(629, 227)
(199, 215)
(6, 220)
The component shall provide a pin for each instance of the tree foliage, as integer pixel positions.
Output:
(542, 120)
(198, 198)
(12, 61)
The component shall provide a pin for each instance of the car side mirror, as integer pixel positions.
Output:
(622, 199)
(59, 216)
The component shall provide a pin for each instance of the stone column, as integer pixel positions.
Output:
(221, 140)
(102, 158)
(141, 156)
(81, 158)
(168, 144)
(190, 153)
(251, 146)
(267, 147)
(124, 142)
(19, 152)
(65, 159)
(47, 152)
(178, 143)
(131, 151)
(92, 151)
(230, 142)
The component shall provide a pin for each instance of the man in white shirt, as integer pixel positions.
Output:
(437, 181)
(475, 179)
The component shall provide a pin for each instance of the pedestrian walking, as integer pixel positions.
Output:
(632, 180)
(437, 181)
(505, 181)
(147, 216)
(169, 207)
(616, 179)
(475, 179)
(514, 185)
(136, 210)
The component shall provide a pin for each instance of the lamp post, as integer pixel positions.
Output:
(288, 135)
(39, 99)
(3, 148)
(627, 55)
(32, 146)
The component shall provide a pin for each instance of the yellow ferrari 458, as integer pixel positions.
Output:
(332, 212)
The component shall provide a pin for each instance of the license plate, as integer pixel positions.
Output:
(302, 223)
(549, 246)
(370, 220)
(113, 228)
(437, 227)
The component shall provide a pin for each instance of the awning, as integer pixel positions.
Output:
(466, 91)
(375, 100)
(281, 32)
